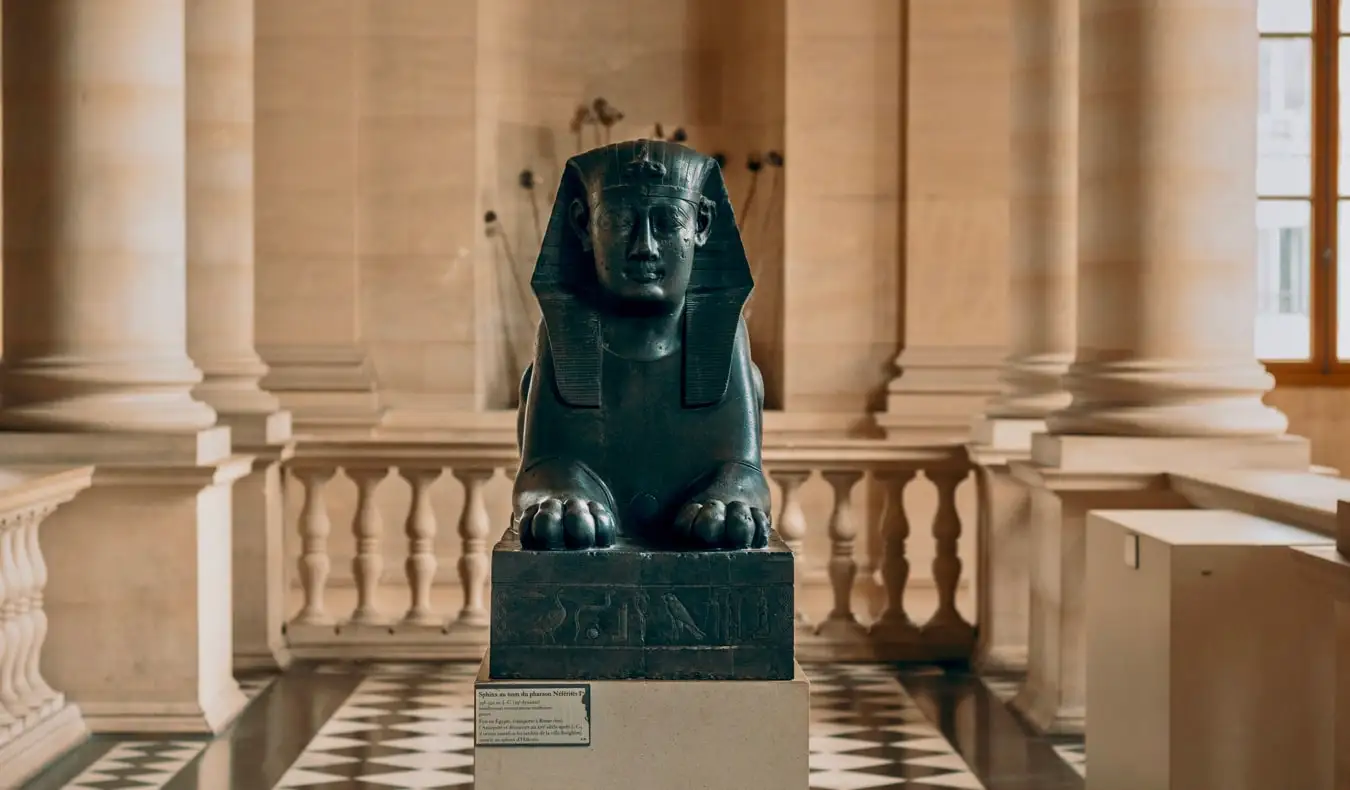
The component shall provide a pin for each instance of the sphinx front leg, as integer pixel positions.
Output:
(563, 505)
(729, 511)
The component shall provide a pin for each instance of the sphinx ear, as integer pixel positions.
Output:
(706, 211)
(579, 217)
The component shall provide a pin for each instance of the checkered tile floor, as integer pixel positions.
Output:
(150, 764)
(408, 727)
(1072, 750)
(412, 727)
(137, 764)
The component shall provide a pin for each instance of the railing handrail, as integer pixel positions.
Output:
(369, 451)
(24, 487)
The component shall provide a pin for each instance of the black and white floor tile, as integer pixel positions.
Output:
(403, 727)
(1075, 754)
(409, 726)
(149, 764)
(867, 732)
(138, 764)
(412, 727)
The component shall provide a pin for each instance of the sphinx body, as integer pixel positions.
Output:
(640, 416)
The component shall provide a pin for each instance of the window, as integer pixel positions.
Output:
(1303, 191)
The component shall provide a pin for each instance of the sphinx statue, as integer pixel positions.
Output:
(640, 418)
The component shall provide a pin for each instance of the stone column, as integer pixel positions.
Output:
(308, 59)
(219, 45)
(1043, 266)
(1043, 209)
(954, 217)
(220, 206)
(1165, 377)
(1167, 279)
(97, 370)
(94, 235)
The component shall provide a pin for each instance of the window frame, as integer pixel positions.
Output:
(1323, 368)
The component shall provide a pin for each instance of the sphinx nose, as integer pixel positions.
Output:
(643, 245)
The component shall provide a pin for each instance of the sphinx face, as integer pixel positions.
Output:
(644, 246)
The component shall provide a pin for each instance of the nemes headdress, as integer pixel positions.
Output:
(718, 285)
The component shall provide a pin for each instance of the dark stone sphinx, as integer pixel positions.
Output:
(640, 543)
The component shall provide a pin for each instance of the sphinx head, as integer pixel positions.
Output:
(643, 219)
(641, 225)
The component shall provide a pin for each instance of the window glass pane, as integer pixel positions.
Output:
(1284, 280)
(1343, 122)
(1343, 280)
(1284, 120)
(1287, 16)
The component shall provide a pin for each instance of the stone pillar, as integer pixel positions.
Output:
(842, 210)
(1165, 376)
(1167, 279)
(954, 217)
(1043, 266)
(309, 325)
(94, 237)
(97, 370)
(219, 45)
(1043, 209)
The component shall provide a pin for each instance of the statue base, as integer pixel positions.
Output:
(657, 735)
(631, 613)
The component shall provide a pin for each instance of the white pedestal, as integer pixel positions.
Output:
(666, 735)
(1209, 664)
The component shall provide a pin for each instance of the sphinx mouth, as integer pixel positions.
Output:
(641, 272)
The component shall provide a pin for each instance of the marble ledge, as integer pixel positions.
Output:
(1306, 499)
(207, 447)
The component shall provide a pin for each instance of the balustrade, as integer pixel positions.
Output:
(36, 721)
(370, 629)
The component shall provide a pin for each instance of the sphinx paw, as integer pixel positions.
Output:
(570, 523)
(723, 525)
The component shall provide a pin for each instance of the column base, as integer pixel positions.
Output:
(259, 601)
(139, 592)
(151, 396)
(938, 392)
(1047, 718)
(38, 745)
(1000, 439)
(324, 387)
(207, 717)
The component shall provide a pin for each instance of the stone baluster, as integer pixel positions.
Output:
(843, 568)
(46, 696)
(791, 522)
(368, 530)
(314, 564)
(946, 623)
(13, 679)
(421, 530)
(20, 603)
(894, 624)
(10, 713)
(474, 526)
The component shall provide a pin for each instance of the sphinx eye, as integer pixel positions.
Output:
(668, 218)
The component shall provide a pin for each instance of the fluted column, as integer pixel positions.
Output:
(1167, 241)
(1044, 209)
(94, 243)
(220, 206)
